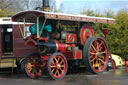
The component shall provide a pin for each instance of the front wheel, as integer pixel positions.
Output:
(95, 54)
(57, 66)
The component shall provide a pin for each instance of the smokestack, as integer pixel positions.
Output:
(45, 6)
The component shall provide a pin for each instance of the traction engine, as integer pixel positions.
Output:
(62, 41)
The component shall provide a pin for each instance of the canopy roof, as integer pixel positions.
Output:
(60, 16)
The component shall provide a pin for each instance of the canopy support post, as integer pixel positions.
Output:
(24, 29)
(38, 35)
(43, 26)
(21, 30)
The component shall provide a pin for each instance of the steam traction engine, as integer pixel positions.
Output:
(62, 40)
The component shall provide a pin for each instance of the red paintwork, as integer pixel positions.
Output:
(46, 57)
(86, 32)
(71, 38)
(71, 55)
(31, 37)
(30, 42)
(78, 54)
(105, 31)
(43, 38)
(61, 47)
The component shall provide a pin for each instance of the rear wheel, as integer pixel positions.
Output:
(95, 54)
(57, 66)
(33, 65)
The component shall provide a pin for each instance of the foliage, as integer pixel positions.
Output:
(5, 13)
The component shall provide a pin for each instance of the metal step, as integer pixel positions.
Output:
(6, 63)
(7, 55)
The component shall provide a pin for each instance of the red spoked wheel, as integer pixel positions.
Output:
(33, 65)
(95, 54)
(57, 66)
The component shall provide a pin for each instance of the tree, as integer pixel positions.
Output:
(4, 9)
(109, 13)
(122, 32)
(88, 12)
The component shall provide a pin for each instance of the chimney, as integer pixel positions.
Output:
(45, 6)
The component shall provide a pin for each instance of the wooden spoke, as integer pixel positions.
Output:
(101, 60)
(93, 47)
(103, 52)
(100, 44)
(97, 46)
(53, 66)
(93, 59)
(62, 66)
(56, 72)
(61, 62)
(59, 58)
(92, 53)
(91, 56)
(53, 70)
(102, 57)
(61, 69)
(56, 60)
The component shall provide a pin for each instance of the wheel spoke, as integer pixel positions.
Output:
(56, 72)
(93, 59)
(52, 66)
(97, 46)
(53, 70)
(100, 44)
(56, 60)
(92, 53)
(61, 62)
(61, 69)
(104, 52)
(93, 48)
(101, 60)
(102, 57)
(91, 56)
(62, 66)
